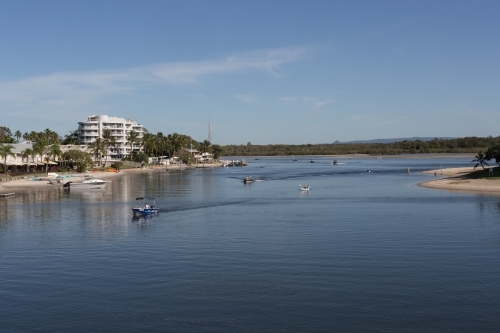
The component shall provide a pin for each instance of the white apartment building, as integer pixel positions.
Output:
(93, 128)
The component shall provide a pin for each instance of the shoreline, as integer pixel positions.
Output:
(25, 184)
(423, 155)
(451, 179)
(455, 180)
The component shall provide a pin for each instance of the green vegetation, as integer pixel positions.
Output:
(480, 158)
(461, 145)
(5, 150)
(79, 159)
(485, 174)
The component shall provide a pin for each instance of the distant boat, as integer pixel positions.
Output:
(256, 159)
(248, 180)
(294, 159)
(312, 161)
(304, 188)
(335, 162)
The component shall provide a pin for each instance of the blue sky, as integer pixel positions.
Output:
(265, 72)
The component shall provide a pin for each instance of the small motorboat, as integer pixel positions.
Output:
(88, 182)
(305, 188)
(335, 162)
(248, 179)
(312, 161)
(145, 209)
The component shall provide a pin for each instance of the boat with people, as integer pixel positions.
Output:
(305, 188)
(248, 179)
(147, 207)
(335, 162)
(89, 182)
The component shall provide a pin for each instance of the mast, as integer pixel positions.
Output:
(209, 131)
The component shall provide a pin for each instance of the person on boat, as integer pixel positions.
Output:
(146, 205)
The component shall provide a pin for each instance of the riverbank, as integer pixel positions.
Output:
(26, 184)
(457, 179)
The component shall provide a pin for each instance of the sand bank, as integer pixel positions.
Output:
(456, 180)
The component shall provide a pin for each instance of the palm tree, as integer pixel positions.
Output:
(98, 147)
(55, 152)
(40, 148)
(27, 153)
(18, 135)
(72, 138)
(6, 150)
(480, 158)
(108, 140)
(132, 137)
(177, 141)
(205, 147)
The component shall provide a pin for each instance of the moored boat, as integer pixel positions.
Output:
(88, 182)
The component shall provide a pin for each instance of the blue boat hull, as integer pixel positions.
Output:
(145, 211)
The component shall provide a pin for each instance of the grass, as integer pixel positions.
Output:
(480, 173)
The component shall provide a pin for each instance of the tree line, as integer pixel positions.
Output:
(46, 147)
(459, 145)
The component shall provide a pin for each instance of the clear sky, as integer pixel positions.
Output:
(262, 71)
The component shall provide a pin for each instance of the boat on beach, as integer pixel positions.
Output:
(145, 209)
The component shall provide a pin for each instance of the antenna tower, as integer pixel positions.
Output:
(209, 132)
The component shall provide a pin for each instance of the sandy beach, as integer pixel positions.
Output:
(456, 180)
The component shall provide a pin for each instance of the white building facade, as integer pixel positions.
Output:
(120, 128)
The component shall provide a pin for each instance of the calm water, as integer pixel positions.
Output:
(361, 252)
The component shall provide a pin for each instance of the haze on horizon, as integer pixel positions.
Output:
(291, 72)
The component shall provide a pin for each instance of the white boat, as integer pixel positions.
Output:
(305, 188)
(248, 180)
(88, 182)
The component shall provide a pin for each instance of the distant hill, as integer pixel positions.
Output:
(395, 140)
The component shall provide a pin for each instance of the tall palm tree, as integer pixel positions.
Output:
(41, 148)
(6, 150)
(18, 135)
(132, 137)
(98, 148)
(55, 152)
(47, 160)
(480, 158)
(109, 141)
